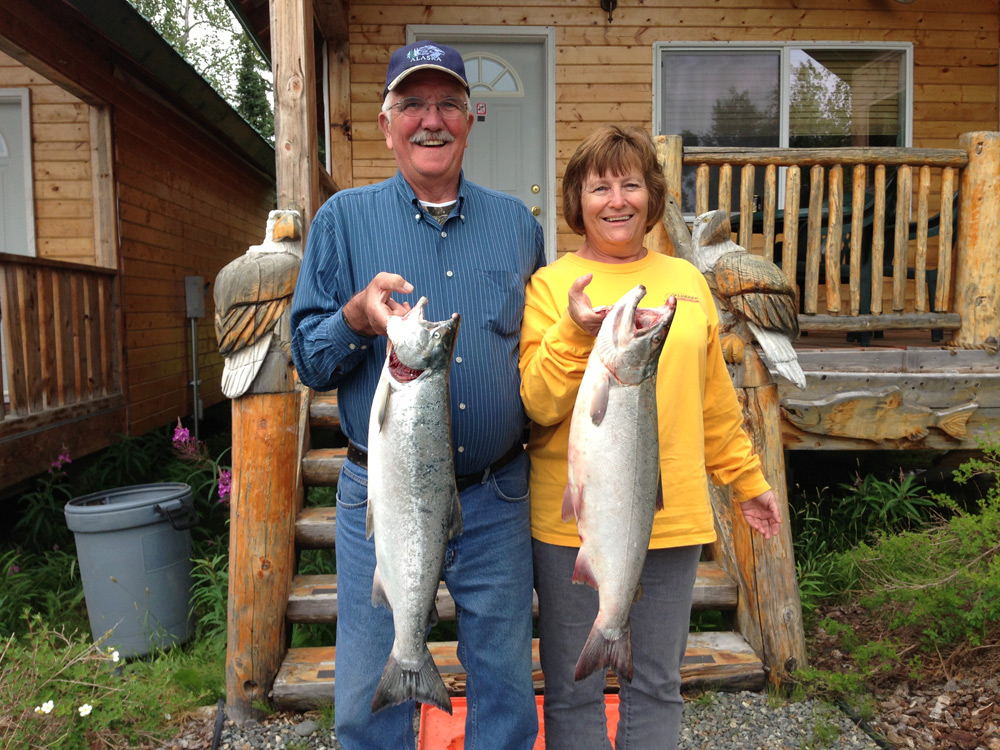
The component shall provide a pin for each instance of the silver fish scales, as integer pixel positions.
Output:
(413, 503)
(613, 472)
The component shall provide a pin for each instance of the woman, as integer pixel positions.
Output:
(613, 193)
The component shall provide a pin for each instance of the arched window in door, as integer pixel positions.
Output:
(489, 74)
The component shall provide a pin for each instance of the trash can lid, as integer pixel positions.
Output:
(124, 507)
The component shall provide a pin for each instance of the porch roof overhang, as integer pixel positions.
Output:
(126, 28)
(255, 17)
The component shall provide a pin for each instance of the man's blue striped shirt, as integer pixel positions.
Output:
(477, 264)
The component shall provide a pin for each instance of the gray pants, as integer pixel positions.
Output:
(650, 708)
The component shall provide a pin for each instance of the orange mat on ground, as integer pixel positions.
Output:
(439, 731)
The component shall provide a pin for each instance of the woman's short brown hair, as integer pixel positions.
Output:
(613, 149)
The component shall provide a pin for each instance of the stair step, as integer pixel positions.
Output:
(316, 528)
(323, 411)
(713, 661)
(321, 466)
(313, 598)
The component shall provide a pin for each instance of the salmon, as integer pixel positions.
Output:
(613, 486)
(413, 503)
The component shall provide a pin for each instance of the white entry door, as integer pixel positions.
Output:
(512, 139)
(16, 215)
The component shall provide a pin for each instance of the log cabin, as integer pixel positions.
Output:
(854, 146)
(121, 174)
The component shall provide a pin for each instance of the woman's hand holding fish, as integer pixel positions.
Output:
(367, 311)
(762, 514)
(580, 308)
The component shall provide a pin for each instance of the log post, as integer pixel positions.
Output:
(670, 152)
(977, 270)
(295, 121)
(769, 611)
(266, 497)
(269, 423)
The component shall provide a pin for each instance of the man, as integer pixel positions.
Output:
(371, 252)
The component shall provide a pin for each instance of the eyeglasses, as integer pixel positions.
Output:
(415, 106)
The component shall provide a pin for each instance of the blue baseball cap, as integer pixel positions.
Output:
(424, 55)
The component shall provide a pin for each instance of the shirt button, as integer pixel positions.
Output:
(458, 359)
(461, 449)
(449, 274)
(462, 217)
(352, 347)
(461, 406)
(416, 216)
(444, 234)
(364, 346)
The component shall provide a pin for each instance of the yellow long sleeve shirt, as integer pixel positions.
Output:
(700, 422)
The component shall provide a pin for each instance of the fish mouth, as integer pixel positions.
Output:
(399, 371)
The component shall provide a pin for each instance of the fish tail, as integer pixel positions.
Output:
(601, 652)
(399, 685)
(954, 421)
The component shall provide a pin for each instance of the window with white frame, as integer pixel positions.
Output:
(805, 95)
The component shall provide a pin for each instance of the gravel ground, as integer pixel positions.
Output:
(719, 721)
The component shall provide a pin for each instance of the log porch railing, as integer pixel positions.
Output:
(59, 326)
(897, 232)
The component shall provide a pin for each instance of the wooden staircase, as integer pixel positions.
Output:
(305, 679)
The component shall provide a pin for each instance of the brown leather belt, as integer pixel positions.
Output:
(359, 457)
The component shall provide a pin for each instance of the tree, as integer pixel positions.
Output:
(252, 90)
(205, 33)
(820, 108)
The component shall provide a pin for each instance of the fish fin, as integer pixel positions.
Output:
(600, 652)
(379, 596)
(582, 572)
(954, 421)
(399, 685)
(599, 401)
(455, 522)
(638, 593)
(571, 503)
(433, 618)
(659, 494)
(380, 403)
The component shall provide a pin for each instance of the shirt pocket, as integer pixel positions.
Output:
(502, 296)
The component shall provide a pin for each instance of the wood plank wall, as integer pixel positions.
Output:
(188, 203)
(63, 186)
(604, 68)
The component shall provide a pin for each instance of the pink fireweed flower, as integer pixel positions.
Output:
(187, 448)
(225, 483)
(61, 460)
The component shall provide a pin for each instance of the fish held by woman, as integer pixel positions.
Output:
(613, 486)
(413, 502)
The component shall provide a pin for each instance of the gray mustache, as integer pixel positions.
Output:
(423, 136)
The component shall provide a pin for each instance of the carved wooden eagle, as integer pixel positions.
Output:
(751, 290)
(253, 296)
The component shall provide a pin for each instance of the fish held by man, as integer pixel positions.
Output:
(413, 501)
(876, 415)
(613, 486)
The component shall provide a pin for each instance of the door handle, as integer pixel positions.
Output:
(536, 210)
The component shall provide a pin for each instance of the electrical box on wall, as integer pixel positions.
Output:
(194, 296)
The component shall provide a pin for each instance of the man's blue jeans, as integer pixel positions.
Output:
(489, 574)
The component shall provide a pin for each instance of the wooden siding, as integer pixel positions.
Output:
(604, 68)
(188, 201)
(61, 165)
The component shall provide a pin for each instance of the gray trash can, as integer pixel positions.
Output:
(134, 549)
